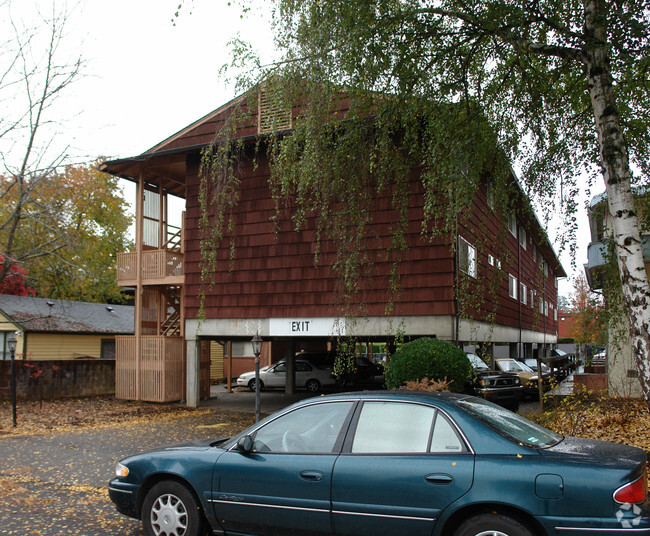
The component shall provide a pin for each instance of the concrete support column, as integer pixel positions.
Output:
(290, 359)
(192, 390)
(528, 350)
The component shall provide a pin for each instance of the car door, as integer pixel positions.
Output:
(282, 485)
(401, 466)
(276, 375)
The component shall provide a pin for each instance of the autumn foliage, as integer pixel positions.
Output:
(14, 283)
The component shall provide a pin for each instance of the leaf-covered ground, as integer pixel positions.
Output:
(74, 414)
(617, 420)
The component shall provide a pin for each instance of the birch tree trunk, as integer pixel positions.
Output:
(617, 175)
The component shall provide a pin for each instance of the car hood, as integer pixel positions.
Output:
(198, 444)
(604, 452)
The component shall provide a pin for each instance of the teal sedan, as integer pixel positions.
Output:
(398, 463)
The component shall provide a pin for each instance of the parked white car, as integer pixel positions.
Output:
(309, 376)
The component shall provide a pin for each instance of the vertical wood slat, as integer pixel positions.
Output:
(125, 377)
(162, 369)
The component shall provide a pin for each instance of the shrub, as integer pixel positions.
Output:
(425, 384)
(428, 358)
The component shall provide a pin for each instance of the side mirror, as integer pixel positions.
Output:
(245, 443)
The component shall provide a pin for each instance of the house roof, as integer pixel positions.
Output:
(60, 316)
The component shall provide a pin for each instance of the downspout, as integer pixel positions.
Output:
(519, 285)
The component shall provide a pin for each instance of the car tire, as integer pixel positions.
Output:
(251, 385)
(170, 509)
(312, 386)
(492, 525)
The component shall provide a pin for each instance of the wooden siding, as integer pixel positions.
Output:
(60, 346)
(273, 275)
(487, 231)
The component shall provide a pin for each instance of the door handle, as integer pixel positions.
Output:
(313, 476)
(439, 478)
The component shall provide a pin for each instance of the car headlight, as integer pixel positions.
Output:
(121, 470)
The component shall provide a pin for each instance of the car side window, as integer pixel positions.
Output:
(444, 438)
(310, 429)
(301, 366)
(282, 367)
(393, 427)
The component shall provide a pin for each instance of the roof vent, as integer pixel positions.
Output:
(272, 114)
(109, 308)
(50, 303)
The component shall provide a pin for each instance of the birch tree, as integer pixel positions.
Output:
(563, 86)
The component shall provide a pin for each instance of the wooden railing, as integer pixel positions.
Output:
(161, 369)
(158, 264)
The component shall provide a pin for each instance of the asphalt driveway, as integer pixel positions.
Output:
(55, 484)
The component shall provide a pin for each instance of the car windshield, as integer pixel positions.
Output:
(477, 362)
(509, 424)
(508, 365)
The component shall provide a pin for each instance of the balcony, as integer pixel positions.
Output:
(159, 267)
(597, 259)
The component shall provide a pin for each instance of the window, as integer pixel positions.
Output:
(534, 254)
(393, 427)
(523, 293)
(512, 225)
(397, 427)
(490, 260)
(498, 264)
(555, 315)
(444, 437)
(490, 194)
(545, 308)
(512, 286)
(522, 237)
(309, 429)
(466, 257)
(107, 349)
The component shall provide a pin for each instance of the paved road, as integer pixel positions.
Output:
(55, 484)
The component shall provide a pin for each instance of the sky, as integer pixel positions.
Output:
(145, 77)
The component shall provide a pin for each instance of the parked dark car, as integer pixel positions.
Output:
(389, 463)
(503, 388)
(365, 370)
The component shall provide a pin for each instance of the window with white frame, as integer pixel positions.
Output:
(466, 257)
(490, 194)
(512, 225)
(522, 237)
(512, 286)
(498, 263)
(523, 293)
(545, 308)
(490, 260)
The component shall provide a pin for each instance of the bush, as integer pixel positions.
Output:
(428, 358)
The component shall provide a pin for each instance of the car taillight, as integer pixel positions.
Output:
(634, 492)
